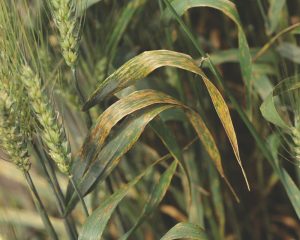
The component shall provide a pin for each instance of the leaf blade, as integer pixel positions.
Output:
(185, 230)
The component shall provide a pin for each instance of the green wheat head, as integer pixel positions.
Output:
(13, 138)
(67, 23)
(52, 132)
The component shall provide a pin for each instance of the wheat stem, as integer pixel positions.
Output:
(51, 177)
(40, 207)
(79, 195)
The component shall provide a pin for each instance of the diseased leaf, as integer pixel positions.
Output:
(104, 124)
(223, 112)
(143, 64)
(138, 68)
(128, 135)
(113, 151)
(206, 138)
(185, 230)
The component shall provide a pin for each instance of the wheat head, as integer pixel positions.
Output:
(67, 23)
(52, 132)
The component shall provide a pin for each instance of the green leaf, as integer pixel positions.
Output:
(185, 230)
(270, 112)
(95, 224)
(155, 198)
(263, 85)
(229, 9)
(145, 63)
(217, 199)
(121, 25)
(274, 13)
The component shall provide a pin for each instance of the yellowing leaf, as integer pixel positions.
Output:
(142, 65)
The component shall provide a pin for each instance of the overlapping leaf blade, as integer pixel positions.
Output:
(185, 230)
(145, 63)
(113, 151)
(123, 141)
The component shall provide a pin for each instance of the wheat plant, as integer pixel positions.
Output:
(151, 120)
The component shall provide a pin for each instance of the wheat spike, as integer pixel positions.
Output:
(13, 139)
(52, 132)
(67, 23)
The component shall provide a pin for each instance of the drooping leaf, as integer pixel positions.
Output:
(128, 135)
(113, 151)
(104, 124)
(143, 64)
(223, 113)
(138, 68)
(185, 230)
